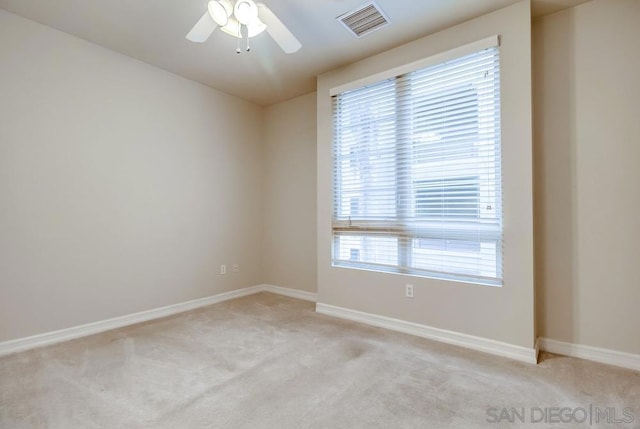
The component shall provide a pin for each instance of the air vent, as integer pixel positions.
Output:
(364, 20)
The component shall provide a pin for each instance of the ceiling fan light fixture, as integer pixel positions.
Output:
(243, 19)
(220, 11)
(245, 11)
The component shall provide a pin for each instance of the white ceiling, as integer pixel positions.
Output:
(153, 31)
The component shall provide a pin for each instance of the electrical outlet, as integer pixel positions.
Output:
(223, 269)
(408, 291)
(236, 268)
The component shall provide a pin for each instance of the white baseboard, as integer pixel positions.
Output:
(292, 293)
(611, 357)
(498, 348)
(53, 337)
(597, 354)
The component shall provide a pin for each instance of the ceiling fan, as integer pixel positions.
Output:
(244, 19)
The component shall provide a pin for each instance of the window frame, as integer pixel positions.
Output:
(406, 232)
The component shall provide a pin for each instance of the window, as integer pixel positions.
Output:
(417, 172)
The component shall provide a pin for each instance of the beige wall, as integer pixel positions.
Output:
(289, 194)
(122, 187)
(587, 93)
(506, 313)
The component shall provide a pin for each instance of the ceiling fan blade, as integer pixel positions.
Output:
(278, 31)
(203, 29)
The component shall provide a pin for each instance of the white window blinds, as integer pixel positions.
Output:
(417, 172)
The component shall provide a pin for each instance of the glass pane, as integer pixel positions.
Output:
(455, 256)
(457, 198)
(367, 249)
(365, 153)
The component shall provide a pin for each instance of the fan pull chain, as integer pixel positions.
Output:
(239, 37)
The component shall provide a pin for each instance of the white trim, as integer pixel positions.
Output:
(292, 293)
(53, 337)
(488, 42)
(486, 345)
(597, 354)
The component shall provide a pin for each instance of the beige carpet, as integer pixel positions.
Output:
(267, 361)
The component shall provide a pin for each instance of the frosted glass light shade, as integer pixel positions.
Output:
(245, 11)
(220, 11)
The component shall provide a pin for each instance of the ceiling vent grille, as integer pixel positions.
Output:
(364, 20)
